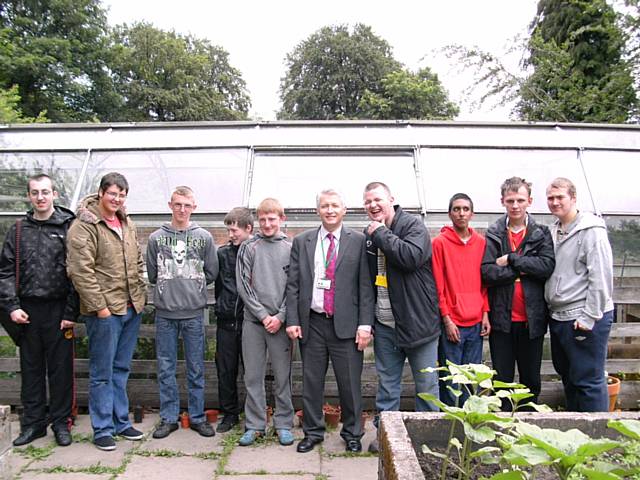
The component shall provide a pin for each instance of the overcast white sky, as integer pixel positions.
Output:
(258, 34)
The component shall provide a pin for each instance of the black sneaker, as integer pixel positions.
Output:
(105, 443)
(203, 428)
(164, 429)
(131, 434)
(227, 423)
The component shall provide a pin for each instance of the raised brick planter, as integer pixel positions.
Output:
(5, 443)
(402, 434)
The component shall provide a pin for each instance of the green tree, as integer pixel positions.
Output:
(10, 108)
(328, 73)
(578, 71)
(53, 50)
(409, 96)
(165, 76)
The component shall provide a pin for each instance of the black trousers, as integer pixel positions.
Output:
(228, 360)
(320, 346)
(515, 347)
(46, 351)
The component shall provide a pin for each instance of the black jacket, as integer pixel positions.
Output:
(229, 306)
(533, 267)
(43, 271)
(412, 289)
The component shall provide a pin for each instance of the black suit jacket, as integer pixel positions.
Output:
(354, 298)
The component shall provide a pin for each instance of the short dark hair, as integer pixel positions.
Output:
(113, 178)
(241, 216)
(370, 186)
(460, 196)
(514, 184)
(36, 177)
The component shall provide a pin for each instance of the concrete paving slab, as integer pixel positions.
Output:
(266, 477)
(63, 476)
(174, 467)
(340, 468)
(18, 462)
(186, 441)
(83, 455)
(270, 457)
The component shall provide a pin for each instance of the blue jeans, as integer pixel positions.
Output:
(579, 357)
(192, 331)
(467, 350)
(390, 360)
(112, 341)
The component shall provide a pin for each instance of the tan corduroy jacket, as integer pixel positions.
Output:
(106, 271)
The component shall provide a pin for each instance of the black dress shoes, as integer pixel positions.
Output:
(63, 437)
(354, 446)
(29, 434)
(307, 444)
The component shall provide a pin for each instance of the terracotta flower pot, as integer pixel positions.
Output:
(299, 415)
(184, 420)
(364, 416)
(269, 411)
(212, 415)
(331, 415)
(613, 386)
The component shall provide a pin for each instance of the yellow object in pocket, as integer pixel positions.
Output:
(381, 281)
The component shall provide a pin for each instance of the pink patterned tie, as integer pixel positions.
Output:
(330, 273)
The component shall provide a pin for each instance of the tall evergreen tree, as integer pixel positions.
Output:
(54, 51)
(329, 72)
(165, 76)
(578, 70)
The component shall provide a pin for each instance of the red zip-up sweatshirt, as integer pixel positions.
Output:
(456, 269)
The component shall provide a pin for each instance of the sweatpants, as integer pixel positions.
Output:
(256, 342)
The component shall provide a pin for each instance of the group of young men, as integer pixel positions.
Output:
(333, 289)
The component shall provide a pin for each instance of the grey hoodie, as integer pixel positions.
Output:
(181, 263)
(261, 275)
(581, 285)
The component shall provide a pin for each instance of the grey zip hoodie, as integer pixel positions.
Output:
(261, 275)
(581, 285)
(181, 263)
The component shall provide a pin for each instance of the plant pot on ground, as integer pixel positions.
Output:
(613, 387)
(331, 415)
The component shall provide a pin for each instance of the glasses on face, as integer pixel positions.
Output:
(181, 206)
(116, 195)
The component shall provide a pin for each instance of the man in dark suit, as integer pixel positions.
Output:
(330, 309)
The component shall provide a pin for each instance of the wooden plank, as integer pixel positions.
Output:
(148, 330)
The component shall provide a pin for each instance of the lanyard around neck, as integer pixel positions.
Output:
(326, 260)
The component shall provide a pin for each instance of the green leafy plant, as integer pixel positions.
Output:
(478, 417)
(571, 454)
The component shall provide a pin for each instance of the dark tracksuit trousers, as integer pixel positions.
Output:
(228, 360)
(46, 352)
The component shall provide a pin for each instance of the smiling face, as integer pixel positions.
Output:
(331, 211)
(111, 200)
(270, 223)
(237, 234)
(378, 204)
(561, 203)
(461, 214)
(41, 196)
(516, 204)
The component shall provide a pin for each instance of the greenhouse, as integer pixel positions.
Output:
(230, 164)
(239, 163)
